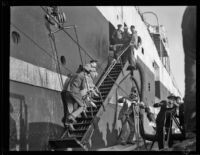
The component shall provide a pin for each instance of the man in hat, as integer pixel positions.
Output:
(134, 37)
(126, 115)
(117, 35)
(117, 39)
(164, 121)
(72, 98)
(91, 66)
(172, 101)
(126, 36)
(129, 54)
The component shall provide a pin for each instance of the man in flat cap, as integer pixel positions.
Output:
(117, 35)
(164, 121)
(126, 36)
(126, 115)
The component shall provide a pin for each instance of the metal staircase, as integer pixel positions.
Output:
(78, 137)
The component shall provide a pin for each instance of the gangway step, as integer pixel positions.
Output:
(63, 144)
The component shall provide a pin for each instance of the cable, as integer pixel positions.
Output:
(56, 52)
(79, 49)
(53, 53)
(67, 33)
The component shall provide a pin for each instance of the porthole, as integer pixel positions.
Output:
(149, 86)
(117, 16)
(16, 37)
(63, 60)
(142, 50)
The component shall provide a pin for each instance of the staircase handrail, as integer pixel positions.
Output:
(111, 67)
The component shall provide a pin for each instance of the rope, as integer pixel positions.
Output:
(56, 67)
(59, 70)
(79, 49)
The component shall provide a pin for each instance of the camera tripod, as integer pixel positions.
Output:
(169, 129)
(136, 110)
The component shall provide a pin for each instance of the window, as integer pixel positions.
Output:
(149, 86)
(156, 70)
(63, 60)
(117, 17)
(15, 37)
(142, 50)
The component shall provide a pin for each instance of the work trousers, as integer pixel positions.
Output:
(130, 121)
(161, 129)
(129, 55)
(73, 104)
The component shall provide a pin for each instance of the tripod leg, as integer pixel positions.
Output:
(151, 145)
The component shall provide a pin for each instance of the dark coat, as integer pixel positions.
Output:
(162, 115)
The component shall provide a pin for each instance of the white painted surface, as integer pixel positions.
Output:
(28, 73)
(132, 17)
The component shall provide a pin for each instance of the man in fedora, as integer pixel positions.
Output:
(126, 36)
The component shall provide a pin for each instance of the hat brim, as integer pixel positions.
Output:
(172, 97)
(93, 61)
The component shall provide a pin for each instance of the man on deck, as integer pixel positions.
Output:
(117, 35)
(129, 54)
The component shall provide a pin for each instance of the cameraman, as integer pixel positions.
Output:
(164, 121)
